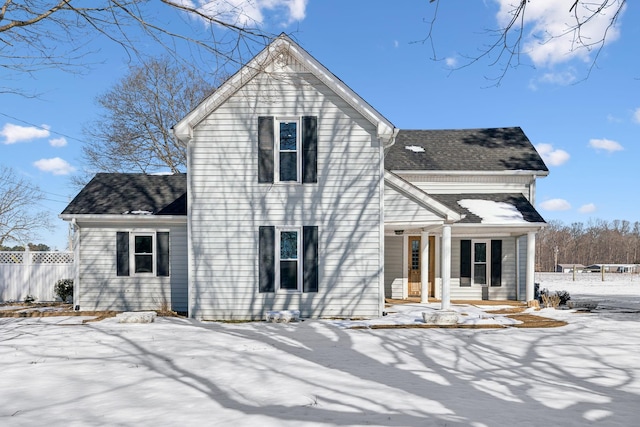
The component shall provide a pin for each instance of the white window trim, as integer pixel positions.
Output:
(487, 243)
(132, 252)
(276, 160)
(298, 289)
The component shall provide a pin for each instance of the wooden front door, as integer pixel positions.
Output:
(415, 285)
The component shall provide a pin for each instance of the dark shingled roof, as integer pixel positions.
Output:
(528, 212)
(119, 193)
(495, 149)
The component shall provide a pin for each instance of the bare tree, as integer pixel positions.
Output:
(133, 134)
(507, 44)
(615, 242)
(37, 34)
(20, 215)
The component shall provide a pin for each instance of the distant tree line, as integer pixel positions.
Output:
(597, 242)
(32, 247)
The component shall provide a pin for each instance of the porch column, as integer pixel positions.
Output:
(445, 268)
(531, 264)
(424, 267)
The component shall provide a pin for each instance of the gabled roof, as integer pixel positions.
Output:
(518, 201)
(474, 150)
(131, 194)
(283, 45)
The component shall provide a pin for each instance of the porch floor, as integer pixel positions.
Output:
(416, 300)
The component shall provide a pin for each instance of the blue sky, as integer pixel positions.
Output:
(585, 125)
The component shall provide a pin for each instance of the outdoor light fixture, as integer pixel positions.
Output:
(399, 232)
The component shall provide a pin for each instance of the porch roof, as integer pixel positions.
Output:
(492, 209)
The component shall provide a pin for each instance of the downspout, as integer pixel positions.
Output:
(76, 264)
(387, 141)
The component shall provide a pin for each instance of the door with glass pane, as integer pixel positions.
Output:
(480, 264)
(415, 272)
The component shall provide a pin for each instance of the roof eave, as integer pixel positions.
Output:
(113, 218)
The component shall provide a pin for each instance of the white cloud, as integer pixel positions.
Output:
(605, 144)
(562, 78)
(588, 208)
(547, 39)
(555, 205)
(16, 133)
(56, 166)
(251, 12)
(636, 115)
(58, 142)
(551, 156)
(451, 62)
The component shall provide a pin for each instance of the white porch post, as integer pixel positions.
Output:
(531, 257)
(424, 267)
(445, 267)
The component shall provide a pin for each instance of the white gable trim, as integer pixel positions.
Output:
(184, 129)
(419, 196)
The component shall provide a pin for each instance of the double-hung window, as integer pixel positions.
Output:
(288, 166)
(143, 254)
(288, 275)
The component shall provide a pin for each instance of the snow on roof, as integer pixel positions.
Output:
(414, 148)
(492, 212)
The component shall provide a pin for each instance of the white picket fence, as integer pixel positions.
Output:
(33, 273)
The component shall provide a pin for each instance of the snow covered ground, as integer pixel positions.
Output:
(179, 372)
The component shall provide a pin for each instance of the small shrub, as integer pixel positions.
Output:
(29, 299)
(551, 300)
(536, 291)
(64, 289)
(564, 297)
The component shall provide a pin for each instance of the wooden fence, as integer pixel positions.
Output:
(31, 273)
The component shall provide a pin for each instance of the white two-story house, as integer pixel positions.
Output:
(300, 195)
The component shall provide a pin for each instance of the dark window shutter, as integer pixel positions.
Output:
(265, 149)
(162, 255)
(122, 253)
(465, 263)
(310, 259)
(309, 149)
(496, 263)
(266, 254)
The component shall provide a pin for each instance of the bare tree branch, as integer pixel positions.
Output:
(506, 48)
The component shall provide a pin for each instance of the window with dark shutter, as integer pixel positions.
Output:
(122, 253)
(266, 255)
(465, 263)
(309, 149)
(310, 259)
(265, 149)
(162, 257)
(496, 263)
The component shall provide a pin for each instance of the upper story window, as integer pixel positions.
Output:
(288, 166)
(287, 149)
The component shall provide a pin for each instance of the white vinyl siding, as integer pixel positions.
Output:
(227, 204)
(99, 288)
(394, 272)
(471, 183)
